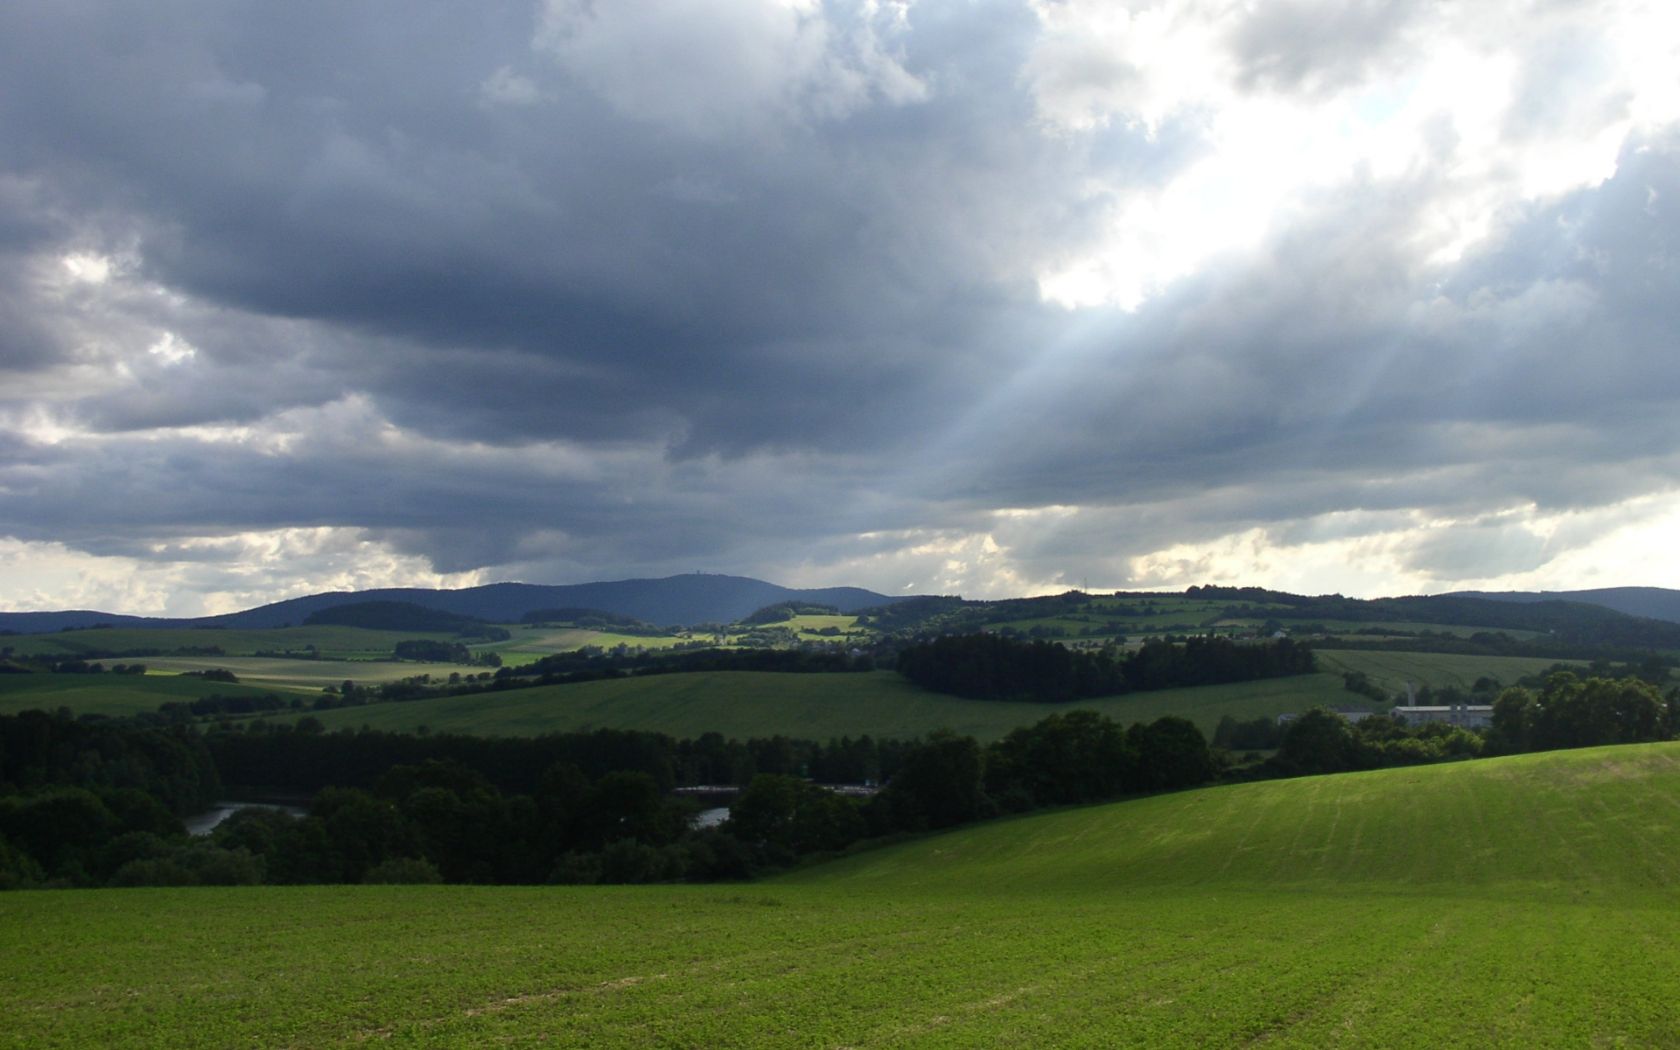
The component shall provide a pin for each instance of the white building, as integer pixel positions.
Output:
(1470, 716)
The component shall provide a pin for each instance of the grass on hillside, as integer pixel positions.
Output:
(815, 706)
(1523, 902)
(310, 676)
(108, 694)
(1393, 670)
(745, 704)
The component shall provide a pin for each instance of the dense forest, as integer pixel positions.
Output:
(991, 667)
(98, 802)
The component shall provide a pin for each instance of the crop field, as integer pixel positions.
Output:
(810, 624)
(1521, 902)
(814, 706)
(307, 676)
(107, 694)
(343, 642)
(531, 643)
(1393, 670)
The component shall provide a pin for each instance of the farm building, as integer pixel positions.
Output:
(1470, 716)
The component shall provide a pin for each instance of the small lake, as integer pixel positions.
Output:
(710, 818)
(204, 823)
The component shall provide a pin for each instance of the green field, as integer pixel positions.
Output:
(308, 676)
(1393, 670)
(107, 694)
(813, 706)
(746, 704)
(1523, 902)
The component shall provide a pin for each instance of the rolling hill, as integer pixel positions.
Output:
(1656, 603)
(696, 598)
(1529, 901)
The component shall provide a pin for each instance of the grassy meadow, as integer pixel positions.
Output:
(735, 703)
(814, 706)
(1393, 670)
(107, 694)
(1523, 902)
(307, 676)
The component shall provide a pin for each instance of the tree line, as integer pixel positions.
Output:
(1565, 712)
(987, 666)
(582, 807)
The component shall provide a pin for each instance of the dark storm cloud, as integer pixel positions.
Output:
(621, 325)
(554, 266)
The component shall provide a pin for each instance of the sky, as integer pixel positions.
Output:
(979, 297)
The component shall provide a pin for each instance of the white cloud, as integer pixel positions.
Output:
(208, 575)
(1464, 115)
(508, 88)
(720, 68)
(1630, 542)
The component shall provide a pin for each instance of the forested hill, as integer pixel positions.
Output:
(690, 599)
(1657, 603)
(1576, 623)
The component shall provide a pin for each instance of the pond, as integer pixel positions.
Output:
(204, 823)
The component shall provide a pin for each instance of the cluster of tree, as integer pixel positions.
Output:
(1359, 682)
(992, 667)
(570, 808)
(949, 780)
(912, 614)
(1577, 627)
(1567, 711)
(1571, 712)
(1569, 629)
(71, 790)
(1322, 741)
(426, 650)
(596, 619)
(1159, 664)
(440, 821)
(816, 660)
(71, 836)
(1252, 734)
(215, 704)
(988, 666)
(781, 612)
(77, 665)
(259, 758)
(1651, 668)
(415, 687)
(213, 674)
(39, 750)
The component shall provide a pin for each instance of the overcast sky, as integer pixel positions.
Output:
(954, 296)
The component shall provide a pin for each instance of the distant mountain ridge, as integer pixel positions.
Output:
(688, 599)
(1655, 603)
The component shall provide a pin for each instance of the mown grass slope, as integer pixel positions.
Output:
(309, 676)
(815, 706)
(107, 694)
(1392, 670)
(1517, 902)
